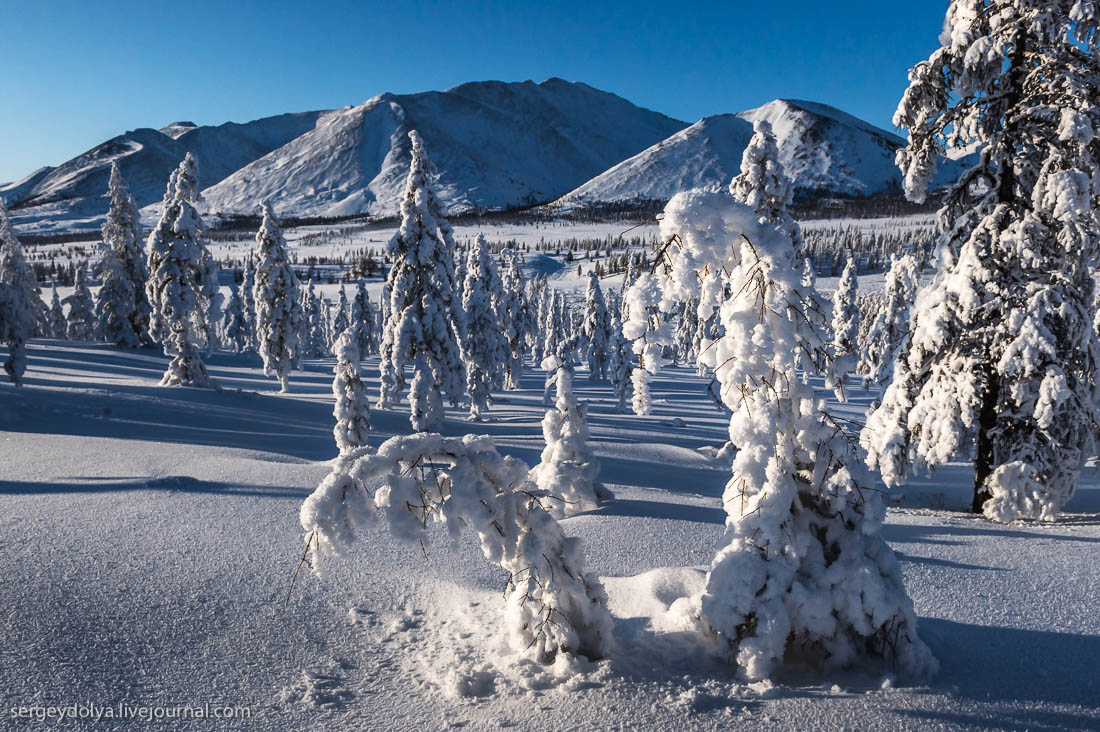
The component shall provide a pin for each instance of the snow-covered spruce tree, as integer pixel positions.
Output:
(805, 577)
(650, 332)
(485, 348)
(621, 362)
(762, 184)
(515, 323)
(248, 300)
(554, 608)
(425, 319)
(891, 324)
(179, 285)
(16, 273)
(687, 326)
(234, 335)
(538, 301)
(1001, 354)
(809, 275)
(555, 340)
(122, 236)
(339, 318)
(56, 318)
(81, 324)
(362, 316)
(845, 322)
(568, 470)
(277, 301)
(315, 345)
(115, 302)
(351, 410)
(597, 329)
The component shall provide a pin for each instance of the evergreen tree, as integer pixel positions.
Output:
(484, 348)
(845, 322)
(122, 237)
(596, 329)
(362, 315)
(115, 301)
(277, 301)
(81, 324)
(650, 333)
(234, 327)
(351, 410)
(340, 317)
(891, 322)
(56, 319)
(1001, 354)
(18, 297)
(762, 185)
(515, 322)
(179, 285)
(315, 345)
(248, 302)
(425, 321)
(621, 363)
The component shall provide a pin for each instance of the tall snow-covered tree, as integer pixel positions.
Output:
(56, 319)
(891, 324)
(19, 297)
(425, 319)
(115, 301)
(650, 332)
(596, 329)
(181, 281)
(362, 315)
(762, 185)
(122, 236)
(568, 471)
(277, 300)
(845, 322)
(315, 344)
(1001, 354)
(234, 335)
(81, 323)
(804, 573)
(485, 347)
(340, 317)
(515, 321)
(621, 363)
(351, 410)
(248, 299)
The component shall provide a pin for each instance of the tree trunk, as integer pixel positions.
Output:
(987, 420)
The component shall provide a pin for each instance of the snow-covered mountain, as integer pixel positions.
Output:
(824, 151)
(496, 145)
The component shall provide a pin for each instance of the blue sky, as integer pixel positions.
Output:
(73, 74)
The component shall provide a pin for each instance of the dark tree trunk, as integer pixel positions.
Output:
(987, 420)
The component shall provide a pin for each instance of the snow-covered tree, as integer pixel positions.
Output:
(234, 335)
(339, 318)
(19, 299)
(122, 236)
(555, 335)
(1001, 354)
(181, 281)
(891, 323)
(314, 343)
(621, 362)
(515, 322)
(762, 184)
(362, 315)
(115, 302)
(539, 300)
(845, 322)
(351, 410)
(553, 607)
(485, 347)
(596, 329)
(425, 319)
(804, 573)
(650, 331)
(81, 323)
(277, 300)
(568, 470)
(56, 319)
(248, 300)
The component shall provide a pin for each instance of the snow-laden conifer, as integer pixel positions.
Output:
(621, 362)
(1001, 354)
(845, 322)
(650, 331)
(351, 410)
(81, 323)
(18, 274)
(553, 606)
(485, 347)
(122, 236)
(115, 301)
(515, 322)
(425, 319)
(596, 329)
(362, 316)
(805, 575)
(277, 300)
(234, 335)
(248, 300)
(891, 323)
(340, 317)
(762, 184)
(182, 280)
(56, 319)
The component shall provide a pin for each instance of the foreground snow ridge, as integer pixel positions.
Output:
(554, 608)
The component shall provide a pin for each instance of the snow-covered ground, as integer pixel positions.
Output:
(150, 535)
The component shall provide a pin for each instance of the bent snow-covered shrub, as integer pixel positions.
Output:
(553, 607)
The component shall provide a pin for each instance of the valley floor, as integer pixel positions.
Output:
(149, 536)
